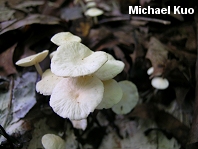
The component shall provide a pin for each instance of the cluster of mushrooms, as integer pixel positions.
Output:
(81, 80)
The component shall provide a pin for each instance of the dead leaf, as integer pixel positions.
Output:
(71, 13)
(164, 121)
(23, 95)
(83, 28)
(6, 64)
(32, 19)
(158, 54)
(98, 36)
(120, 55)
(6, 14)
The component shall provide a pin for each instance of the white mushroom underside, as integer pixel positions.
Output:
(46, 85)
(73, 59)
(129, 99)
(33, 59)
(75, 98)
(112, 94)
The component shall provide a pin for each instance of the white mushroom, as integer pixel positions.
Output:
(75, 98)
(33, 60)
(160, 83)
(51, 141)
(79, 124)
(90, 4)
(46, 85)
(110, 69)
(94, 12)
(150, 70)
(112, 94)
(74, 59)
(129, 99)
(62, 37)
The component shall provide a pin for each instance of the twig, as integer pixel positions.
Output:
(165, 22)
(140, 18)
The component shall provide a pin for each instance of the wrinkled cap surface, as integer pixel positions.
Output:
(94, 12)
(76, 98)
(159, 83)
(51, 141)
(46, 85)
(62, 37)
(33, 59)
(74, 59)
(129, 99)
(110, 69)
(112, 94)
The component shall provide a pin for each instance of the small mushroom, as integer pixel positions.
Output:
(33, 60)
(46, 85)
(112, 94)
(129, 99)
(150, 70)
(90, 4)
(75, 98)
(79, 124)
(110, 69)
(160, 83)
(74, 59)
(94, 12)
(52, 141)
(62, 37)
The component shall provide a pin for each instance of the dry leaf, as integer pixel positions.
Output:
(157, 53)
(6, 64)
(32, 19)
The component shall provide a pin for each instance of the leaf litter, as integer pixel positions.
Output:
(162, 119)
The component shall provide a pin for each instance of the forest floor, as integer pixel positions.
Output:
(162, 119)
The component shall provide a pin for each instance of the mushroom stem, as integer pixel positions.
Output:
(95, 20)
(38, 68)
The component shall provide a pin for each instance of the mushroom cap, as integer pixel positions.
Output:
(129, 99)
(75, 98)
(74, 59)
(90, 4)
(112, 94)
(110, 69)
(62, 37)
(94, 12)
(160, 83)
(46, 85)
(79, 124)
(150, 70)
(33, 59)
(51, 141)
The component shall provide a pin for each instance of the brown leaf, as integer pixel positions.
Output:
(31, 19)
(120, 55)
(181, 93)
(163, 119)
(98, 36)
(6, 64)
(157, 53)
